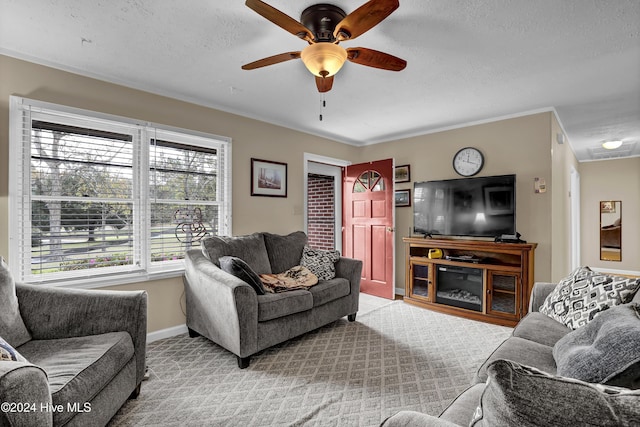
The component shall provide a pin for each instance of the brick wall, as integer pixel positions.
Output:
(321, 214)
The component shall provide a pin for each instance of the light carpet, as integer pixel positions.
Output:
(396, 357)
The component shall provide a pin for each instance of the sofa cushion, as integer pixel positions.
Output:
(284, 251)
(329, 290)
(540, 328)
(584, 293)
(522, 396)
(79, 367)
(521, 351)
(606, 350)
(251, 249)
(9, 354)
(320, 262)
(12, 328)
(461, 410)
(240, 269)
(274, 306)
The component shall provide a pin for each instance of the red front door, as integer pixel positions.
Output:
(369, 223)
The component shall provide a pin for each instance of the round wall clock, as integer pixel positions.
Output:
(468, 161)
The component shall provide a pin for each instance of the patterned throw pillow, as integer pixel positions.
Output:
(585, 293)
(8, 353)
(321, 263)
(518, 395)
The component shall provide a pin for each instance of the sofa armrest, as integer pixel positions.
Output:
(220, 306)
(415, 419)
(25, 389)
(350, 269)
(539, 293)
(51, 313)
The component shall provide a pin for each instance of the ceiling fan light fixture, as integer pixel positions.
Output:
(323, 59)
(612, 145)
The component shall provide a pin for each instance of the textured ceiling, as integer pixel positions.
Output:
(468, 62)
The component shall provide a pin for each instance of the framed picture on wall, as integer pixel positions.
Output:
(403, 173)
(403, 198)
(268, 178)
(607, 207)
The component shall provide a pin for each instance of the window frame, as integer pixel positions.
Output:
(21, 110)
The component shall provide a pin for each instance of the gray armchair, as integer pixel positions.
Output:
(85, 358)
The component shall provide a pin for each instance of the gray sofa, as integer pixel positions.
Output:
(80, 353)
(228, 311)
(541, 391)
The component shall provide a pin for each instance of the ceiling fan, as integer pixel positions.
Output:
(324, 26)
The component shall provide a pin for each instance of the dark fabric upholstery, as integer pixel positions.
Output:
(521, 396)
(228, 311)
(539, 294)
(24, 382)
(85, 323)
(251, 249)
(272, 306)
(329, 290)
(540, 328)
(284, 252)
(415, 419)
(240, 269)
(460, 411)
(52, 313)
(79, 367)
(522, 351)
(604, 350)
(12, 327)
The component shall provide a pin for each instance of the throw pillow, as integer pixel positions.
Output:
(250, 248)
(606, 350)
(320, 262)
(578, 298)
(241, 270)
(8, 353)
(284, 251)
(522, 396)
(12, 326)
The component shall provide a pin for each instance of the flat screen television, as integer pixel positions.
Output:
(475, 207)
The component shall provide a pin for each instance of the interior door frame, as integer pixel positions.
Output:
(339, 163)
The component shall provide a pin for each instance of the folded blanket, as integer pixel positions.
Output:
(297, 277)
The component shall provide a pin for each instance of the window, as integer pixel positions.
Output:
(95, 196)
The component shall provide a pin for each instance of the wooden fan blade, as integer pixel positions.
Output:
(281, 19)
(324, 84)
(364, 18)
(376, 59)
(275, 59)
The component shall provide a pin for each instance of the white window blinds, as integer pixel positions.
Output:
(101, 196)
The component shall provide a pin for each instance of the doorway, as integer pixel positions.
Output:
(323, 201)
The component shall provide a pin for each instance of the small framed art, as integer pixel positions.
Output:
(403, 198)
(403, 173)
(268, 178)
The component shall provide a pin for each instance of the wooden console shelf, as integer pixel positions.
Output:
(484, 280)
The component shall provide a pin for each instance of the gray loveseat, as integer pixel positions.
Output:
(555, 400)
(80, 353)
(228, 311)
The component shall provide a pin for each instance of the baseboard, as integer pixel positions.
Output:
(399, 291)
(166, 333)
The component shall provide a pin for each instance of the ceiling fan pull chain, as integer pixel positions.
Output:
(323, 104)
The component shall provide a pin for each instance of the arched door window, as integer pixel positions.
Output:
(369, 181)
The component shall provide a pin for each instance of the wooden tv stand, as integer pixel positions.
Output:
(484, 281)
